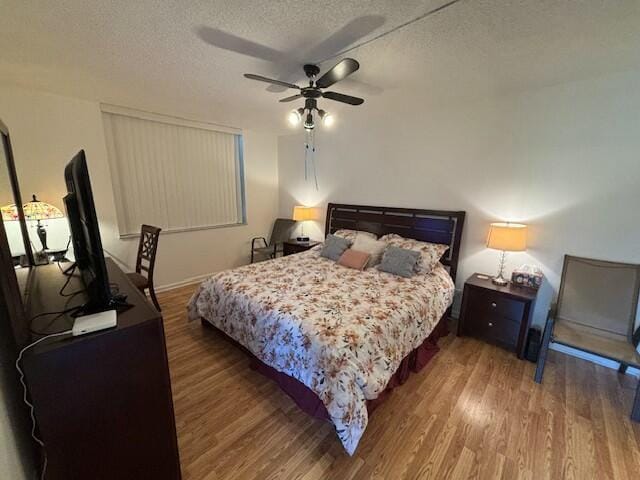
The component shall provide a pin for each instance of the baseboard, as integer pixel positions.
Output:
(182, 283)
(605, 362)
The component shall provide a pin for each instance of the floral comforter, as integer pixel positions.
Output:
(341, 332)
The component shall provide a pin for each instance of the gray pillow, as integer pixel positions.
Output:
(334, 247)
(399, 261)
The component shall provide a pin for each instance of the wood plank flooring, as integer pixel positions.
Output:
(473, 412)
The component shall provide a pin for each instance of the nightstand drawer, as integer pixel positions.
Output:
(495, 304)
(492, 327)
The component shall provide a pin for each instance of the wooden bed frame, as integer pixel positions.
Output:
(434, 226)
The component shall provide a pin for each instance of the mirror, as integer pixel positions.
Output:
(11, 206)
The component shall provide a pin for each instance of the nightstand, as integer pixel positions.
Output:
(499, 315)
(293, 246)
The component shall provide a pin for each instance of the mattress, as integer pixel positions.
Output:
(339, 331)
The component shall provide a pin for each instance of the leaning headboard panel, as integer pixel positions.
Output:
(435, 226)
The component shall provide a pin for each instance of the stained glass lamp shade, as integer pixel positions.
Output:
(9, 212)
(34, 210)
(37, 210)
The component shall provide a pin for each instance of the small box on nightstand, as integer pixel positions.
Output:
(498, 314)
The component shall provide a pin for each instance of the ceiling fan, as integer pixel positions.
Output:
(316, 90)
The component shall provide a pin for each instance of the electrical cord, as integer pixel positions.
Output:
(26, 394)
(58, 315)
(66, 283)
(390, 31)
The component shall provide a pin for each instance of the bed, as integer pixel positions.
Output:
(337, 339)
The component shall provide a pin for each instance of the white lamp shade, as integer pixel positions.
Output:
(302, 214)
(510, 237)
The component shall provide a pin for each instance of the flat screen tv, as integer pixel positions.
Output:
(85, 234)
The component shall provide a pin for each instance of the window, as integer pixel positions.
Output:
(172, 173)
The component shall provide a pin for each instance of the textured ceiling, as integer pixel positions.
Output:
(151, 54)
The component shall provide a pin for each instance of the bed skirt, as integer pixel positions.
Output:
(309, 402)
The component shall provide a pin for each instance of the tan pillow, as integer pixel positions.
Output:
(430, 253)
(373, 247)
(354, 259)
(352, 234)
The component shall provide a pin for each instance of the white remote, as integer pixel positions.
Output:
(94, 323)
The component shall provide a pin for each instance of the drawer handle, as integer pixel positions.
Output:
(493, 304)
(490, 324)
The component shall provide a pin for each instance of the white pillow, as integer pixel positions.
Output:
(430, 253)
(371, 246)
(352, 234)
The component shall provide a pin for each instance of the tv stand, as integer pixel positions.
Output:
(103, 400)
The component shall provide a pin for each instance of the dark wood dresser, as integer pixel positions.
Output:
(499, 315)
(102, 401)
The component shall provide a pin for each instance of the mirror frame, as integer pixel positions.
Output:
(15, 187)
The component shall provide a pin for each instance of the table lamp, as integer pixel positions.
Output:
(508, 237)
(302, 214)
(9, 213)
(37, 210)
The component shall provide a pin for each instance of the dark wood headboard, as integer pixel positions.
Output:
(435, 226)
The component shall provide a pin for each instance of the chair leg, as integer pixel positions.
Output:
(544, 349)
(635, 411)
(251, 255)
(622, 368)
(152, 294)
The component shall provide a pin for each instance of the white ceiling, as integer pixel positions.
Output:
(149, 54)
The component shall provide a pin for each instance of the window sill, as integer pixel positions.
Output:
(125, 236)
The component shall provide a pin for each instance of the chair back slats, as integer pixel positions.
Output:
(599, 294)
(282, 230)
(147, 249)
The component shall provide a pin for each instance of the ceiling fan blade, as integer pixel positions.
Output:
(260, 78)
(346, 36)
(233, 43)
(341, 70)
(339, 97)
(291, 98)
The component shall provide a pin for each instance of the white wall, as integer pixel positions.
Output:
(47, 130)
(564, 159)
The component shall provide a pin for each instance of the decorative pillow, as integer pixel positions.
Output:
(399, 261)
(430, 253)
(373, 247)
(334, 247)
(352, 234)
(354, 259)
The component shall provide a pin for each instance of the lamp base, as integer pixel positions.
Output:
(500, 281)
(302, 239)
(42, 235)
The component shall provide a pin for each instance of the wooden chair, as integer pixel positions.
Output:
(147, 249)
(596, 313)
(282, 230)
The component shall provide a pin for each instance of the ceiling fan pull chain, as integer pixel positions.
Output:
(306, 156)
(313, 157)
(310, 157)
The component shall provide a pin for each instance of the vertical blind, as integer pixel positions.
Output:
(175, 174)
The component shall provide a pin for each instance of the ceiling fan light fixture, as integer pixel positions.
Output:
(327, 118)
(308, 123)
(294, 118)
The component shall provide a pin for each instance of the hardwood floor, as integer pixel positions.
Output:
(473, 412)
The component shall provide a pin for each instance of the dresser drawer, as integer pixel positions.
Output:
(495, 304)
